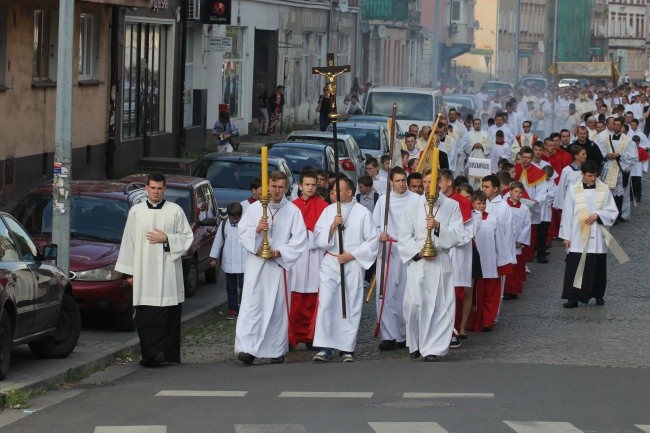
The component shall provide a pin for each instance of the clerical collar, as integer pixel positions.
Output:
(616, 136)
(274, 205)
(585, 186)
(158, 205)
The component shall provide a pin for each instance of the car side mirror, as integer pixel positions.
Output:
(50, 253)
(210, 222)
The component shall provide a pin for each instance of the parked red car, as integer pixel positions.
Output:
(100, 209)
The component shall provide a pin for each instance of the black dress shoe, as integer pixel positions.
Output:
(542, 260)
(388, 345)
(487, 329)
(278, 360)
(430, 358)
(571, 304)
(600, 301)
(462, 336)
(401, 344)
(246, 358)
(623, 220)
(414, 355)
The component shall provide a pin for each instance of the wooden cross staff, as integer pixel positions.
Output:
(330, 72)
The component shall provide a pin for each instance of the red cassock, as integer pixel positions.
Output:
(302, 315)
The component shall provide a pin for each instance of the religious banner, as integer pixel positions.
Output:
(479, 167)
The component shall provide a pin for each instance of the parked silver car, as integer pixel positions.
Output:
(372, 138)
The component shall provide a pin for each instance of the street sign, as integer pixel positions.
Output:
(215, 11)
(481, 51)
(216, 44)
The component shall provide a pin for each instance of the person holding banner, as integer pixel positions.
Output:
(588, 211)
(390, 311)
(479, 146)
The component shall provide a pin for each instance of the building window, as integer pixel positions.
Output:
(456, 11)
(305, 71)
(146, 79)
(88, 47)
(317, 81)
(343, 83)
(45, 45)
(232, 71)
(3, 45)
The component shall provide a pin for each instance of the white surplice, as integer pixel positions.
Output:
(569, 176)
(462, 255)
(361, 239)
(233, 257)
(263, 322)
(570, 223)
(430, 300)
(306, 274)
(505, 230)
(157, 274)
(393, 326)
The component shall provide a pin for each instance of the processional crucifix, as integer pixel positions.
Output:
(331, 72)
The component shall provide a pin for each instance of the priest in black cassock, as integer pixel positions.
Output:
(156, 236)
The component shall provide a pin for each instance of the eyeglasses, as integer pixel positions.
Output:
(441, 125)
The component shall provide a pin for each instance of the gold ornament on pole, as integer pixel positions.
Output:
(429, 249)
(265, 250)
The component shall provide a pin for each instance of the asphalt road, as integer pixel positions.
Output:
(270, 398)
(544, 369)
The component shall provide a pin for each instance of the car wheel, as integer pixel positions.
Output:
(212, 274)
(64, 339)
(5, 344)
(191, 278)
(125, 320)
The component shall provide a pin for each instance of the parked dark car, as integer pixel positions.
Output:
(196, 197)
(99, 211)
(298, 155)
(38, 307)
(230, 174)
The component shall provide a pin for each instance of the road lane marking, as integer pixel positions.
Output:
(309, 394)
(189, 393)
(645, 428)
(269, 428)
(447, 395)
(406, 427)
(132, 429)
(542, 427)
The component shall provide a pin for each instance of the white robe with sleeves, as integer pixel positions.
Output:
(263, 322)
(361, 238)
(430, 300)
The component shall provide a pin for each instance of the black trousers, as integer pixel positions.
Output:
(594, 278)
(618, 199)
(159, 329)
(542, 234)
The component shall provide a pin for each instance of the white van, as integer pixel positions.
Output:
(414, 104)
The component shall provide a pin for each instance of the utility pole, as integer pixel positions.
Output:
(63, 138)
(517, 31)
(436, 44)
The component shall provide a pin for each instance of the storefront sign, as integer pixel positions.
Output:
(215, 44)
(157, 5)
(215, 11)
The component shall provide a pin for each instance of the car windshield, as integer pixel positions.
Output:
(366, 138)
(93, 218)
(183, 198)
(343, 150)
(465, 102)
(412, 106)
(299, 158)
(233, 174)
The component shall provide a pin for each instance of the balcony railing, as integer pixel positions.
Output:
(394, 10)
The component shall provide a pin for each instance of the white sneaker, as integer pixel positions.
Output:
(347, 357)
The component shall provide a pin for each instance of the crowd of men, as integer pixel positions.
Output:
(571, 185)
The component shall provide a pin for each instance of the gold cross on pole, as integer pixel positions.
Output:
(331, 72)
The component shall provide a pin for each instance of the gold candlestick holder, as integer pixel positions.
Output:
(265, 250)
(429, 250)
